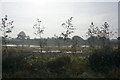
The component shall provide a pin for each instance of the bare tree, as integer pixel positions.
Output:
(91, 34)
(104, 33)
(6, 28)
(39, 31)
(75, 45)
(69, 29)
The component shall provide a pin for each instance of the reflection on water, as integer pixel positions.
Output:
(57, 51)
(12, 45)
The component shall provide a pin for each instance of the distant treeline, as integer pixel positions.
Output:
(60, 41)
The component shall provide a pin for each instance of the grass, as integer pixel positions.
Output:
(23, 63)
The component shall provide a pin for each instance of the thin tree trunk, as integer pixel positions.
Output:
(5, 51)
(40, 46)
(64, 45)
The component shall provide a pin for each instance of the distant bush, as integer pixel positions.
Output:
(102, 60)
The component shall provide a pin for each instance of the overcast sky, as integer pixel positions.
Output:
(53, 14)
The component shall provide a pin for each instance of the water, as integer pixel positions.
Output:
(52, 51)
(57, 51)
(12, 45)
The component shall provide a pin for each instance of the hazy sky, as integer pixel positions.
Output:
(53, 14)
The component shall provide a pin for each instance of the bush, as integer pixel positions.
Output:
(103, 60)
(79, 65)
(114, 73)
(59, 63)
(36, 63)
(12, 64)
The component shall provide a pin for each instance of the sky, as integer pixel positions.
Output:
(53, 14)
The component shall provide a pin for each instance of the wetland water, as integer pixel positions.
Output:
(12, 45)
(51, 51)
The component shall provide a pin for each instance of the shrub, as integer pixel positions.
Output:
(35, 63)
(59, 63)
(12, 64)
(114, 73)
(103, 60)
(79, 65)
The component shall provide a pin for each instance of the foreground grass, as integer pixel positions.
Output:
(22, 63)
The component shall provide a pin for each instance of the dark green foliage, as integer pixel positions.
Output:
(12, 64)
(114, 72)
(105, 59)
(59, 63)
(79, 65)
